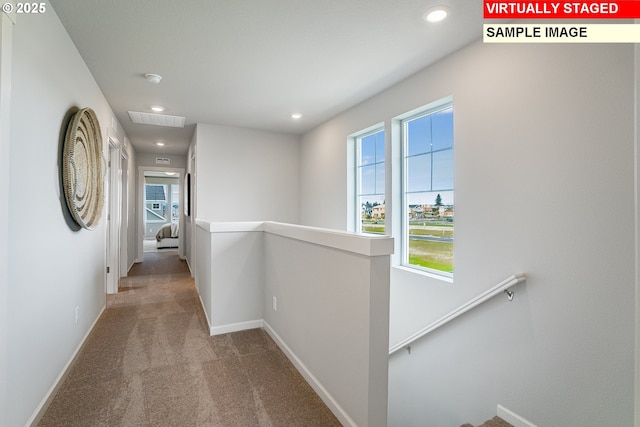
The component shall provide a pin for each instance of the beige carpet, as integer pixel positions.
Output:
(151, 362)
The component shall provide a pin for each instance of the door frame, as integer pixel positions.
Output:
(114, 214)
(141, 171)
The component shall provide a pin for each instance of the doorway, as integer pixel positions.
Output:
(160, 218)
(162, 206)
(116, 181)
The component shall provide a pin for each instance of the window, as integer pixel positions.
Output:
(175, 203)
(428, 205)
(155, 202)
(370, 182)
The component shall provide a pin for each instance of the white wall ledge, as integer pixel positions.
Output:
(342, 240)
(230, 227)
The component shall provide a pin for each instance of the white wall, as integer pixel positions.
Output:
(6, 42)
(246, 175)
(545, 186)
(230, 274)
(332, 314)
(331, 317)
(52, 266)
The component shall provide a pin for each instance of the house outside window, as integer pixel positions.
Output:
(370, 182)
(155, 202)
(428, 190)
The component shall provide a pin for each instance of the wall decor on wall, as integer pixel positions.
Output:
(83, 169)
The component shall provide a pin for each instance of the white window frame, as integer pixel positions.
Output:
(357, 138)
(402, 120)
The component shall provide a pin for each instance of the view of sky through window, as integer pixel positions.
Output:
(371, 182)
(429, 191)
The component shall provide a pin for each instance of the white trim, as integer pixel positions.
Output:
(229, 227)
(235, 327)
(113, 210)
(317, 386)
(204, 310)
(424, 273)
(362, 244)
(354, 210)
(48, 397)
(140, 207)
(512, 418)
(368, 245)
(426, 110)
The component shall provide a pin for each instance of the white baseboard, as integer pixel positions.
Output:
(235, 327)
(46, 401)
(189, 267)
(231, 327)
(513, 418)
(326, 397)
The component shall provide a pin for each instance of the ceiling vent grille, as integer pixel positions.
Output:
(157, 119)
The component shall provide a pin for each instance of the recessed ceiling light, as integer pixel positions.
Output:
(157, 108)
(170, 173)
(159, 144)
(296, 116)
(153, 78)
(435, 15)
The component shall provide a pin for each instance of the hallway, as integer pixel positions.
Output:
(151, 362)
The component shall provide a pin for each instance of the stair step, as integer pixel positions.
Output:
(493, 422)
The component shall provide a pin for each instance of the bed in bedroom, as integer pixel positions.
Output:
(167, 236)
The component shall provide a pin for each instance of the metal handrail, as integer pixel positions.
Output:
(488, 294)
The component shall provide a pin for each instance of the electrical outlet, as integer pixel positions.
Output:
(275, 304)
(77, 313)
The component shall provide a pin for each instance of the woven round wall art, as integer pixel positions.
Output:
(82, 169)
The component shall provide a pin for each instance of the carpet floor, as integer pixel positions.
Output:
(150, 362)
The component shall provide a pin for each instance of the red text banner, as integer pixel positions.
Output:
(516, 9)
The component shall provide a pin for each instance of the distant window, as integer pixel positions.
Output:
(155, 192)
(370, 182)
(175, 203)
(428, 207)
(156, 202)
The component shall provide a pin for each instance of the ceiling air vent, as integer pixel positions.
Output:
(157, 119)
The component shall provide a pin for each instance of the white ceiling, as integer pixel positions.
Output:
(252, 63)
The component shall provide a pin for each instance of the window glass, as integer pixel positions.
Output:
(428, 230)
(370, 182)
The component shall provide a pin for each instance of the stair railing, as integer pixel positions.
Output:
(488, 294)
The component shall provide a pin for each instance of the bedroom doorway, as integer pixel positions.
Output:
(161, 218)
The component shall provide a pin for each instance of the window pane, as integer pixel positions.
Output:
(380, 178)
(443, 170)
(368, 179)
(380, 146)
(430, 230)
(419, 136)
(368, 150)
(373, 214)
(429, 184)
(175, 202)
(419, 173)
(442, 124)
